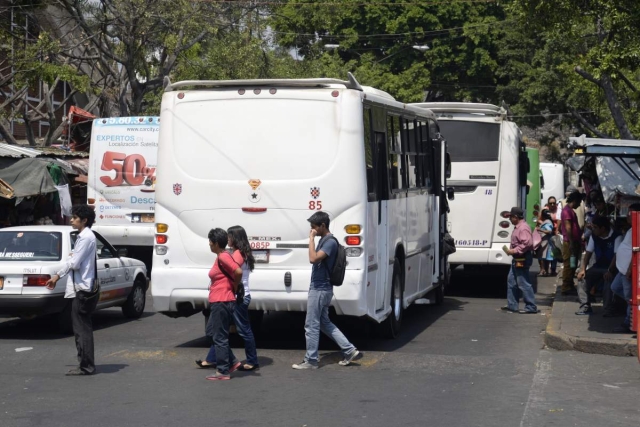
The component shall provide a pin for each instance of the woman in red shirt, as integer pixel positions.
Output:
(225, 276)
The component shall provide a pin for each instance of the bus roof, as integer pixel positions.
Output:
(352, 83)
(464, 108)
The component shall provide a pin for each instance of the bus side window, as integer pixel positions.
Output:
(410, 153)
(368, 153)
(395, 152)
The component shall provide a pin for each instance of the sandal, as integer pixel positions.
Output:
(542, 274)
(201, 364)
(248, 367)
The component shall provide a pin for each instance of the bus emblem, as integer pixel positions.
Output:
(177, 189)
(254, 183)
(315, 192)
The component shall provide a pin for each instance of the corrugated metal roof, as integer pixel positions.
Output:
(8, 150)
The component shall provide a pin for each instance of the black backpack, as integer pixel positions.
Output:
(336, 276)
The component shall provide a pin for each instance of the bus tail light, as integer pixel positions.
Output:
(505, 214)
(503, 234)
(353, 229)
(161, 239)
(536, 207)
(504, 224)
(254, 209)
(162, 228)
(161, 250)
(352, 240)
(535, 214)
(35, 279)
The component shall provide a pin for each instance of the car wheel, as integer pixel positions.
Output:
(134, 306)
(390, 327)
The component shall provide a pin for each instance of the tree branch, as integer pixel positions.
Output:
(587, 76)
(628, 82)
(586, 124)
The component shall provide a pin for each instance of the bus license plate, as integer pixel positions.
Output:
(261, 257)
(1, 283)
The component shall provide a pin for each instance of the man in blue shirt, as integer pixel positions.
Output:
(323, 258)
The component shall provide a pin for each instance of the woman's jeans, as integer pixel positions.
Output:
(621, 286)
(218, 328)
(518, 285)
(243, 326)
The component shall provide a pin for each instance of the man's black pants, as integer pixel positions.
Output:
(83, 331)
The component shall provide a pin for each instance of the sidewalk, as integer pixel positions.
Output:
(588, 334)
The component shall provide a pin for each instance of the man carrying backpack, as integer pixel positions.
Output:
(323, 257)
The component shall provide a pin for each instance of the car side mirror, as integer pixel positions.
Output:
(451, 193)
(123, 252)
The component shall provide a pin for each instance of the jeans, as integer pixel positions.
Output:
(83, 332)
(218, 329)
(317, 320)
(518, 286)
(592, 279)
(568, 250)
(243, 326)
(621, 286)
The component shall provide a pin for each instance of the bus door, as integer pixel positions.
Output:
(380, 186)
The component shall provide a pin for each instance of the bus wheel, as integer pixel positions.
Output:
(390, 327)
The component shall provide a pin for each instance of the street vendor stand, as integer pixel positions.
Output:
(618, 172)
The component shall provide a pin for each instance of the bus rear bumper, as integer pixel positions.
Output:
(482, 256)
(181, 292)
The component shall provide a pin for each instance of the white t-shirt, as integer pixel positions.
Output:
(245, 277)
(591, 246)
(623, 254)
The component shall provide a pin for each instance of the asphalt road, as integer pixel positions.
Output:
(464, 363)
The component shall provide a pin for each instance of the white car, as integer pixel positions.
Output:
(30, 255)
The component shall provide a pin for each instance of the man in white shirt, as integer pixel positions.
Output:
(603, 243)
(82, 268)
(621, 285)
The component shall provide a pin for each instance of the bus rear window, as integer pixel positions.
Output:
(471, 141)
(30, 246)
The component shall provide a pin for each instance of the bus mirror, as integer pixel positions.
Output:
(451, 194)
(447, 166)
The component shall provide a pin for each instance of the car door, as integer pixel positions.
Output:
(114, 287)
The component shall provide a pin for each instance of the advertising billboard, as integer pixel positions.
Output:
(122, 174)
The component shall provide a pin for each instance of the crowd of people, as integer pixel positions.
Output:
(592, 241)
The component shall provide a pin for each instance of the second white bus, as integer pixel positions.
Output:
(489, 177)
(266, 154)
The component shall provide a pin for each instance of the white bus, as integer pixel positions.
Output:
(489, 177)
(121, 182)
(266, 154)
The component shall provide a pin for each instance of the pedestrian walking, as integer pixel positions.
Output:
(81, 287)
(323, 257)
(225, 277)
(571, 242)
(518, 284)
(604, 242)
(238, 242)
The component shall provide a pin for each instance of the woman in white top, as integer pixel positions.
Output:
(241, 253)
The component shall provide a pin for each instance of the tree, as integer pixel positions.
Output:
(376, 39)
(590, 51)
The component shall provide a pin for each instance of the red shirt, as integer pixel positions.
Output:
(573, 235)
(221, 287)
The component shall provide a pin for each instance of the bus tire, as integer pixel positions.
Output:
(137, 299)
(390, 327)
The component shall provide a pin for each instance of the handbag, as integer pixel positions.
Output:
(240, 292)
(88, 300)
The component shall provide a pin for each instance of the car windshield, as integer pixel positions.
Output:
(30, 246)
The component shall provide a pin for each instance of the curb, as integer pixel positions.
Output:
(556, 339)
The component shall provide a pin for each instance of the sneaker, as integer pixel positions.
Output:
(529, 312)
(506, 308)
(354, 355)
(219, 377)
(77, 372)
(584, 310)
(235, 367)
(304, 365)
